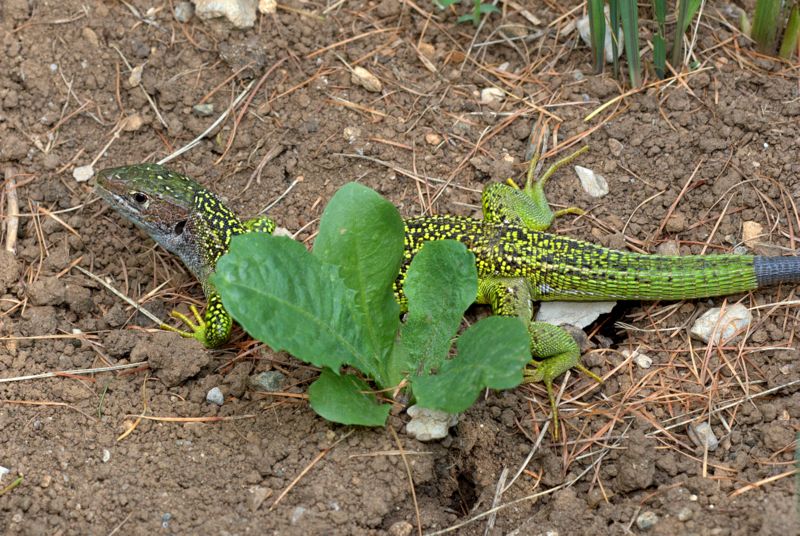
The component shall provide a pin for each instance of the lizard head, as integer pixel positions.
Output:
(174, 210)
(156, 199)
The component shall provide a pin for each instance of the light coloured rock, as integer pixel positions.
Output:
(751, 233)
(3, 472)
(615, 146)
(608, 49)
(135, 78)
(735, 318)
(643, 361)
(492, 95)
(429, 424)
(579, 314)
(351, 134)
(366, 79)
(646, 520)
(269, 381)
(106, 457)
(215, 396)
(703, 436)
(432, 138)
(591, 182)
(241, 13)
(83, 173)
(184, 11)
(267, 7)
(258, 494)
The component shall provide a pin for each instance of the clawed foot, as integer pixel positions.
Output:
(545, 372)
(196, 330)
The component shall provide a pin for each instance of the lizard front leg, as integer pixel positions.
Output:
(213, 329)
(507, 203)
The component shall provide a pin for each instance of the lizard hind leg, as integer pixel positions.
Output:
(553, 350)
(526, 206)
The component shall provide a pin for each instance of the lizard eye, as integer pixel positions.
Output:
(179, 227)
(139, 197)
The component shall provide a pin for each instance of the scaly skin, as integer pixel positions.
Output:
(517, 262)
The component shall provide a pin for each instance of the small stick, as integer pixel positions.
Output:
(12, 220)
(307, 468)
(72, 372)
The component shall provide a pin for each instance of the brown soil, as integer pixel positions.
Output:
(688, 161)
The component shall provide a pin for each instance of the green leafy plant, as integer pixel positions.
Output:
(625, 14)
(478, 10)
(334, 307)
(769, 19)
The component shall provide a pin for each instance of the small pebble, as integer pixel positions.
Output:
(269, 381)
(184, 11)
(401, 528)
(267, 7)
(491, 95)
(165, 519)
(366, 79)
(83, 173)
(3, 472)
(429, 424)
(615, 146)
(752, 233)
(685, 514)
(703, 436)
(215, 396)
(646, 520)
(735, 319)
(643, 361)
(431, 138)
(591, 182)
(203, 110)
(106, 456)
(259, 494)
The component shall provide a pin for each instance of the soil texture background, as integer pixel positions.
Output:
(689, 162)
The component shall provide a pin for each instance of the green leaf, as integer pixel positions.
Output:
(441, 283)
(362, 234)
(597, 32)
(492, 354)
(346, 399)
(282, 295)
(629, 11)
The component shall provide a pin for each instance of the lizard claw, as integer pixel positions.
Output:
(196, 330)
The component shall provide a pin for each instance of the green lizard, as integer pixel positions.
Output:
(518, 264)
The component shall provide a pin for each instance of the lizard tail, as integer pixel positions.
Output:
(776, 270)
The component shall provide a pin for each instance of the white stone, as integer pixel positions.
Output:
(643, 361)
(490, 95)
(3, 472)
(608, 49)
(106, 456)
(267, 7)
(83, 173)
(215, 396)
(735, 318)
(241, 13)
(591, 182)
(366, 79)
(751, 233)
(429, 424)
(703, 436)
(579, 314)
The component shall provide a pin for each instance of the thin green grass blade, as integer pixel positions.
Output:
(660, 39)
(614, 23)
(629, 11)
(791, 35)
(765, 25)
(597, 31)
